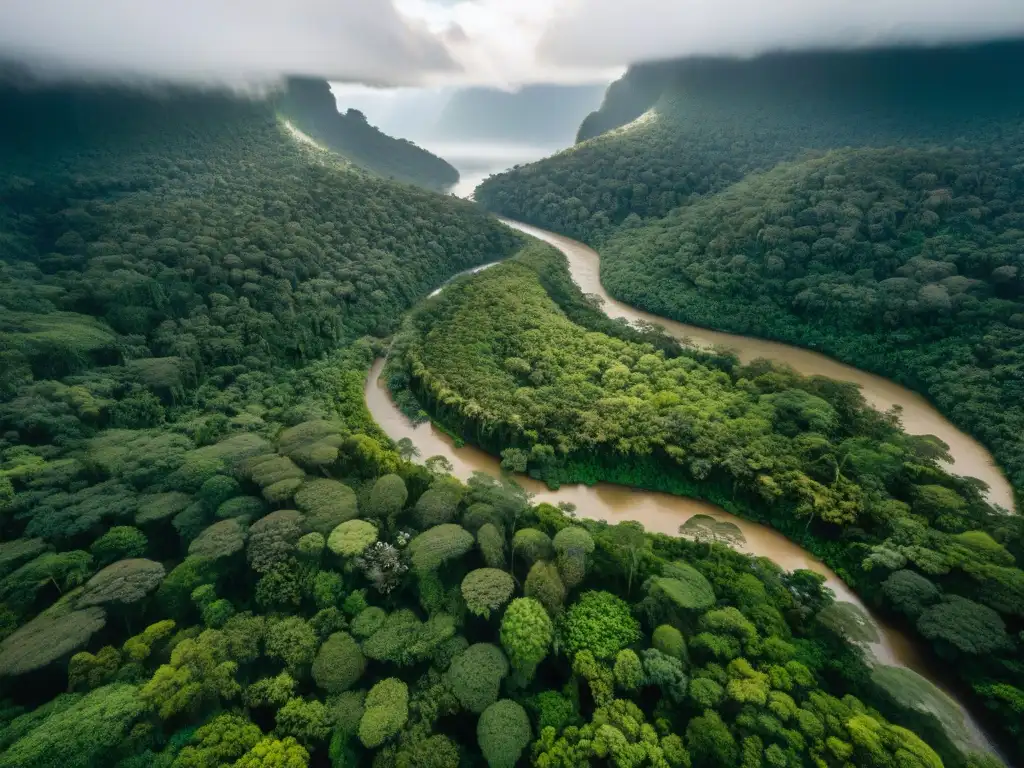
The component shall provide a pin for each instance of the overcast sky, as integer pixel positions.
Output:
(447, 42)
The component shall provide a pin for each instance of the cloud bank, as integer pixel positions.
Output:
(503, 43)
(595, 33)
(241, 41)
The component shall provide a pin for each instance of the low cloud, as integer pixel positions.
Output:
(235, 41)
(600, 33)
(503, 43)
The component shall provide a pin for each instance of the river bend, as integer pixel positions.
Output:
(664, 513)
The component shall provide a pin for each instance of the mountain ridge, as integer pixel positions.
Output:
(312, 107)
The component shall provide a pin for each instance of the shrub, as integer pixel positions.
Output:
(118, 543)
(14, 554)
(310, 548)
(268, 469)
(270, 691)
(436, 506)
(705, 693)
(282, 491)
(271, 753)
(601, 623)
(692, 592)
(432, 752)
(665, 672)
(503, 731)
(293, 641)
(351, 538)
(307, 721)
(553, 710)
(328, 589)
(405, 640)
(339, 663)
(221, 741)
(388, 497)
(326, 504)
(532, 544)
(82, 733)
(572, 567)
(958, 625)
(669, 641)
(272, 538)
(573, 540)
(526, 635)
(910, 593)
(486, 590)
(327, 621)
(241, 506)
(221, 539)
(386, 711)
(544, 584)
(124, 582)
(476, 676)
(368, 621)
(313, 444)
(480, 514)
(161, 506)
(492, 545)
(216, 490)
(628, 671)
(346, 710)
(432, 548)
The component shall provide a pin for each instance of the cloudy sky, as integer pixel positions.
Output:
(447, 42)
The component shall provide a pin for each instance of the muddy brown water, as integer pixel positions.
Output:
(664, 513)
(919, 417)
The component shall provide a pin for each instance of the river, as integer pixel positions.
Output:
(919, 417)
(664, 513)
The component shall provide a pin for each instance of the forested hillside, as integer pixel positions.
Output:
(713, 122)
(183, 290)
(497, 361)
(311, 107)
(626, 99)
(900, 253)
(906, 262)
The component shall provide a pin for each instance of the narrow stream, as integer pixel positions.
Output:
(664, 513)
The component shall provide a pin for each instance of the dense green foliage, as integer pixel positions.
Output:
(212, 556)
(890, 258)
(900, 252)
(311, 107)
(183, 292)
(496, 360)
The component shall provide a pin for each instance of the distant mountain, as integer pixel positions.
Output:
(536, 114)
(312, 108)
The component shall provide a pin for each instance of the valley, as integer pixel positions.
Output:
(306, 462)
(664, 513)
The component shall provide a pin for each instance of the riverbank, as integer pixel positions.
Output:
(658, 512)
(918, 417)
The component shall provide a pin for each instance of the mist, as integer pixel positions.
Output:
(455, 43)
(595, 33)
(220, 41)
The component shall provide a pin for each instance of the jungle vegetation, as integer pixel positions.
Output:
(498, 361)
(865, 204)
(211, 556)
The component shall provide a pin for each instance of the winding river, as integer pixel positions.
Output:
(664, 513)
